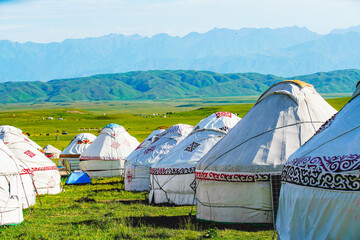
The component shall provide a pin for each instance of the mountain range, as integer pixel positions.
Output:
(141, 85)
(283, 52)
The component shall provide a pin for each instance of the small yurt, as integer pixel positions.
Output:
(105, 157)
(45, 173)
(320, 192)
(76, 147)
(51, 152)
(172, 178)
(10, 187)
(137, 168)
(233, 178)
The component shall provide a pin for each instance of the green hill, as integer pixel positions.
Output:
(142, 85)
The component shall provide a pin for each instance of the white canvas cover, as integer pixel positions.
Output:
(151, 138)
(137, 168)
(320, 193)
(76, 147)
(51, 152)
(233, 177)
(172, 178)
(105, 157)
(45, 173)
(16, 131)
(10, 186)
(27, 190)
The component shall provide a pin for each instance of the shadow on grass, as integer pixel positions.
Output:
(108, 183)
(89, 199)
(176, 222)
(108, 190)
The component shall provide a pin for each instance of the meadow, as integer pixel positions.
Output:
(103, 210)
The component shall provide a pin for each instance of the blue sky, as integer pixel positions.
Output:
(56, 20)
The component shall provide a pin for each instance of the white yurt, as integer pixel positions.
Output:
(27, 189)
(105, 157)
(51, 152)
(172, 178)
(233, 178)
(10, 187)
(76, 147)
(16, 131)
(45, 173)
(320, 193)
(148, 140)
(137, 168)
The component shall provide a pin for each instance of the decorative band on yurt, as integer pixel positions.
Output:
(171, 171)
(232, 177)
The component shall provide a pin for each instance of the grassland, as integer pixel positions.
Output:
(103, 210)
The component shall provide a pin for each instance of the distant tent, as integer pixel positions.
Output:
(46, 175)
(76, 147)
(233, 178)
(78, 177)
(173, 176)
(105, 157)
(320, 193)
(10, 184)
(51, 152)
(137, 167)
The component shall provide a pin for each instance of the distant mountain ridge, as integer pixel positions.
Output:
(285, 51)
(141, 85)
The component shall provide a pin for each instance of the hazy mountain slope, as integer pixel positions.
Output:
(118, 53)
(165, 85)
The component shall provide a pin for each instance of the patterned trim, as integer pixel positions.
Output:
(192, 147)
(150, 149)
(171, 171)
(339, 163)
(232, 177)
(70, 155)
(35, 169)
(85, 158)
(326, 124)
(223, 114)
(129, 176)
(29, 153)
(318, 179)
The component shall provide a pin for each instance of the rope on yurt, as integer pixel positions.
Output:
(330, 140)
(192, 205)
(258, 135)
(37, 194)
(160, 187)
(307, 106)
(22, 183)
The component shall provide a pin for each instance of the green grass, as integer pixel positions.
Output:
(104, 210)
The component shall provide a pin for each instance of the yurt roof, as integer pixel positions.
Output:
(331, 158)
(161, 145)
(219, 121)
(283, 119)
(204, 136)
(16, 134)
(113, 143)
(8, 162)
(51, 149)
(78, 144)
